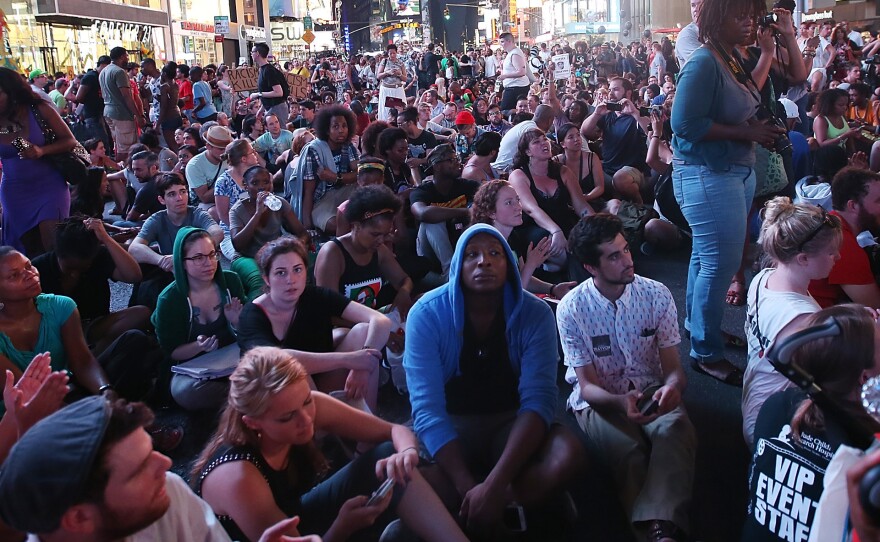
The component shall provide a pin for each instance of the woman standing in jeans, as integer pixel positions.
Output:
(713, 177)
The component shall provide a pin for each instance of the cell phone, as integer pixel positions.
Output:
(380, 493)
(394, 102)
(614, 106)
(514, 518)
(816, 31)
(647, 405)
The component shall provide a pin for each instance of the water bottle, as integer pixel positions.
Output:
(273, 202)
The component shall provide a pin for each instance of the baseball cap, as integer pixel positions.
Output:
(36, 73)
(218, 136)
(791, 109)
(440, 153)
(47, 470)
(465, 117)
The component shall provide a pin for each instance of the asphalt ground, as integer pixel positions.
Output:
(720, 489)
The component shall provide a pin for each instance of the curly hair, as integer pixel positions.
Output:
(326, 115)
(828, 98)
(370, 137)
(18, 93)
(369, 203)
(485, 201)
(589, 233)
(388, 138)
(715, 13)
(521, 158)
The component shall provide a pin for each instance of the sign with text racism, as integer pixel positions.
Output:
(245, 79)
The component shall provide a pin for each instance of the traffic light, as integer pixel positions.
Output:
(446, 13)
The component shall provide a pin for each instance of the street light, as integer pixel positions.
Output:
(446, 13)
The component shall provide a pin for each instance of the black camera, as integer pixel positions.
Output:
(782, 143)
(873, 59)
(647, 111)
(614, 106)
(767, 20)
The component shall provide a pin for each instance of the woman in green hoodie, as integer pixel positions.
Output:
(197, 313)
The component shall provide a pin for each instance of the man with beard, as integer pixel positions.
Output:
(89, 472)
(855, 198)
(619, 333)
(497, 123)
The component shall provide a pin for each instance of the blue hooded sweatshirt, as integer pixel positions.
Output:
(435, 335)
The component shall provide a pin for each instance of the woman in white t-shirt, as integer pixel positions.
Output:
(803, 242)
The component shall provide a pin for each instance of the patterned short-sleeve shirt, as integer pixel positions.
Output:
(621, 339)
(342, 159)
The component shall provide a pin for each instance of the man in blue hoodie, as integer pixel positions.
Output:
(481, 361)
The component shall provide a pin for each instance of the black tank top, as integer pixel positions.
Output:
(285, 495)
(486, 382)
(557, 205)
(586, 182)
(360, 283)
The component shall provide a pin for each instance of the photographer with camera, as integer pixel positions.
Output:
(622, 128)
(714, 177)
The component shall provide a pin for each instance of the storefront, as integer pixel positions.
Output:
(72, 43)
(194, 43)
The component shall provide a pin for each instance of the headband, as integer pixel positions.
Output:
(370, 214)
(371, 165)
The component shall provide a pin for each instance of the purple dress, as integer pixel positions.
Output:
(31, 191)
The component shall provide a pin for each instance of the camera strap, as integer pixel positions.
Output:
(734, 64)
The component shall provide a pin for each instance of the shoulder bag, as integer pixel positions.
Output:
(73, 165)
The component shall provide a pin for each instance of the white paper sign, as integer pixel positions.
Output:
(561, 66)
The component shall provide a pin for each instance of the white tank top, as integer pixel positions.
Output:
(507, 67)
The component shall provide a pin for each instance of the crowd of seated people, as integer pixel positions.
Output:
(289, 256)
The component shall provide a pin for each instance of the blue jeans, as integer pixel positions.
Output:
(97, 129)
(715, 204)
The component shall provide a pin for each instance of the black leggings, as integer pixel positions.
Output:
(510, 96)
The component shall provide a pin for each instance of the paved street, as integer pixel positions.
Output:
(722, 461)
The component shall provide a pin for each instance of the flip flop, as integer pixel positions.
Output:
(736, 293)
(721, 370)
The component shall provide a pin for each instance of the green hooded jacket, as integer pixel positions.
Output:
(173, 317)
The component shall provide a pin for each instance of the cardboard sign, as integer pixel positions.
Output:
(245, 79)
(561, 66)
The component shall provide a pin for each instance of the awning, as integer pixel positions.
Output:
(666, 30)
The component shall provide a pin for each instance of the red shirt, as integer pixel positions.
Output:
(186, 93)
(853, 267)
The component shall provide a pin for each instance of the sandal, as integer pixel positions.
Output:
(664, 531)
(736, 294)
(721, 370)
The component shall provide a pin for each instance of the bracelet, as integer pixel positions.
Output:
(555, 232)
(655, 136)
(408, 449)
(104, 388)
(551, 289)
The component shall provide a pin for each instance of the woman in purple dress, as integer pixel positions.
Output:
(33, 194)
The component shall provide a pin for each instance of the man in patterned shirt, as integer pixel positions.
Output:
(620, 338)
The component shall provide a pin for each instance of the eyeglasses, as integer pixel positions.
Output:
(202, 258)
(826, 221)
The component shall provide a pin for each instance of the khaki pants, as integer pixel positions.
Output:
(652, 465)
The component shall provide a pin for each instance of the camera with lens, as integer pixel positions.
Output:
(782, 143)
(614, 106)
(767, 20)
